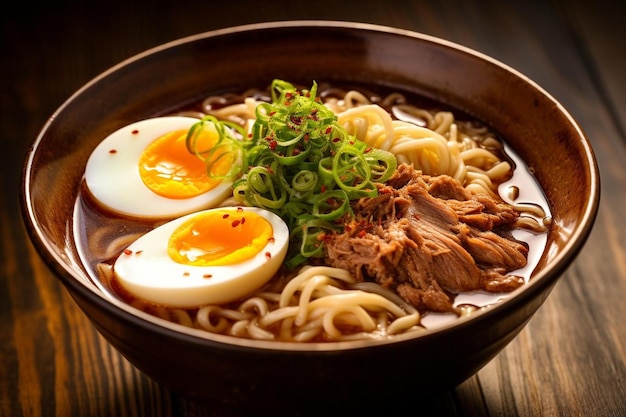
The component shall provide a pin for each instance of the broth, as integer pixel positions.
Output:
(101, 236)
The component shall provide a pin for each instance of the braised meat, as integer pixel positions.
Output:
(426, 237)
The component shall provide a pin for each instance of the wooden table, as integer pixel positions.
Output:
(569, 360)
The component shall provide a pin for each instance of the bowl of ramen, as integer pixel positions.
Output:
(293, 215)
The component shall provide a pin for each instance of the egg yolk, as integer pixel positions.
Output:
(168, 168)
(219, 237)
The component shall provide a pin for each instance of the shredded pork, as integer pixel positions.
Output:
(426, 238)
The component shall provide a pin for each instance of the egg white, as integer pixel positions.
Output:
(146, 270)
(114, 181)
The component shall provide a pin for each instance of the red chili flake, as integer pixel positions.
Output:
(297, 120)
(136, 131)
(236, 223)
(239, 209)
(113, 151)
(361, 233)
(329, 129)
(243, 220)
(225, 216)
(271, 239)
(250, 135)
(287, 103)
(368, 150)
(273, 144)
(272, 113)
(336, 140)
(128, 252)
(296, 152)
(351, 142)
(185, 274)
(268, 255)
(323, 188)
(288, 94)
(207, 276)
(306, 137)
(139, 252)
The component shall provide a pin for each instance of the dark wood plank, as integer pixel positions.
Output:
(597, 29)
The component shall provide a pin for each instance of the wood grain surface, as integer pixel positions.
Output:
(569, 361)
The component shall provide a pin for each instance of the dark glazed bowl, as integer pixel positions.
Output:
(281, 376)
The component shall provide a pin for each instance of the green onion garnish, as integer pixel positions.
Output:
(301, 164)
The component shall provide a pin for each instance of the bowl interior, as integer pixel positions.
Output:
(182, 72)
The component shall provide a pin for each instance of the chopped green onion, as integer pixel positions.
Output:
(306, 168)
(228, 146)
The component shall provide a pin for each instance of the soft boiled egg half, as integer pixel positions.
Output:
(145, 170)
(210, 257)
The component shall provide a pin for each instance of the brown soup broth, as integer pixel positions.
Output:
(101, 236)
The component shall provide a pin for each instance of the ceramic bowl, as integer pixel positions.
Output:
(280, 376)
